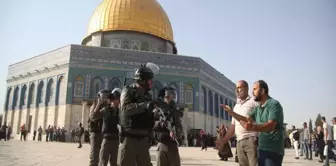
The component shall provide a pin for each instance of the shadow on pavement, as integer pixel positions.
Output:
(196, 164)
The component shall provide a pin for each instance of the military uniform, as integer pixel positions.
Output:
(136, 120)
(95, 140)
(167, 150)
(110, 143)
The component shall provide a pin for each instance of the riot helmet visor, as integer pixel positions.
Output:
(171, 95)
(116, 92)
(104, 94)
(154, 67)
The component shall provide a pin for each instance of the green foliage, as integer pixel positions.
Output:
(318, 121)
(310, 126)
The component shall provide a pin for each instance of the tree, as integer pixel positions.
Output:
(318, 121)
(310, 126)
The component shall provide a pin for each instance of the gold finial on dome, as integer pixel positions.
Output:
(146, 16)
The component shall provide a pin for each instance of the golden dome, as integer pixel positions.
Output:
(146, 16)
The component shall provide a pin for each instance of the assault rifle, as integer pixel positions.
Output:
(166, 122)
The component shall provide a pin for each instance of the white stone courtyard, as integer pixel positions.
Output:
(63, 154)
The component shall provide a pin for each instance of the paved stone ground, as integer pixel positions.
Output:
(65, 154)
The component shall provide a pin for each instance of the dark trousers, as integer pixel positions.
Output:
(23, 135)
(267, 158)
(51, 135)
(330, 153)
(80, 141)
(47, 137)
(39, 137)
(203, 144)
(34, 136)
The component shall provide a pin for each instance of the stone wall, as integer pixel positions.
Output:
(129, 40)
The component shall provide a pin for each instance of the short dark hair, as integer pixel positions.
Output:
(334, 118)
(263, 85)
(323, 118)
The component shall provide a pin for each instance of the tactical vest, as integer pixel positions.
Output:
(162, 135)
(111, 121)
(95, 126)
(136, 125)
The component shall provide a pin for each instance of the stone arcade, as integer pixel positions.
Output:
(54, 88)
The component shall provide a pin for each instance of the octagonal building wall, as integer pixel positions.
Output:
(36, 91)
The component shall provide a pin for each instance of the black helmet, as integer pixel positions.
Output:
(146, 72)
(168, 91)
(104, 93)
(116, 93)
(143, 73)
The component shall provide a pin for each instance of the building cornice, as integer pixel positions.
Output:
(36, 73)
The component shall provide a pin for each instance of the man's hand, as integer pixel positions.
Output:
(247, 125)
(100, 101)
(226, 108)
(172, 135)
(150, 106)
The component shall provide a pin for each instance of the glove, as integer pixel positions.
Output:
(149, 106)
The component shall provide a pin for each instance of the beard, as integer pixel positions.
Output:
(257, 97)
(240, 94)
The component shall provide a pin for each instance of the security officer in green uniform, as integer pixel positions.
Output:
(167, 127)
(110, 117)
(96, 126)
(136, 118)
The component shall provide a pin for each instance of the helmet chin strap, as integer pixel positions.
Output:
(144, 84)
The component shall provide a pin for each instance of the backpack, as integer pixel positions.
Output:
(296, 136)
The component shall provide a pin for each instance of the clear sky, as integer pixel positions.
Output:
(290, 44)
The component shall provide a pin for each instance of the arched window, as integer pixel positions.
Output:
(221, 109)
(79, 86)
(153, 48)
(210, 103)
(225, 113)
(40, 92)
(15, 97)
(23, 96)
(60, 95)
(8, 99)
(156, 89)
(114, 83)
(135, 45)
(31, 97)
(205, 100)
(9, 91)
(145, 46)
(126, 44)
(96, 86)
(231, 105)
(216, 106)
(115, 43)
(188, 94)
(50, 91)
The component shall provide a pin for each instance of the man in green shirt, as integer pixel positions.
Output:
(267, 119)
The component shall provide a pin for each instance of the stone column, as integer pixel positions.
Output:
(106, 82)
(85, 114)
(181, 92)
